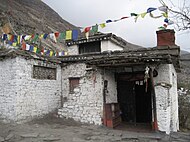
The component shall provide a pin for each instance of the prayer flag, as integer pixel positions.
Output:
(45, 36)
(170, 22)
(103, 25)
(143, 14)
(87, 29)
(48, 52)
(35, 38)
(4, 36)
(163, 8)
(27, 37)
(62, 36)
(134, 14)
(14, 44)
(166, 20)
(95, 29)
(137, 17)
(51, 53)
(149, 10)
(124, 17)
(41, 36)
(31, 48)
(108, 21)
(35, 49)
(165, 14)
(68, 35)
(56, 34)
(23, 46)
(75, 34)
(52, 36)
(27, 47)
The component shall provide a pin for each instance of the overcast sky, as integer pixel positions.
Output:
(85, 13)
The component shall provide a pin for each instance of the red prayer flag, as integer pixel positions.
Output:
(124, 17)
(56, 34)
(23, 46)
(87, 29)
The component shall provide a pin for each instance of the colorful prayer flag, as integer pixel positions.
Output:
(51, 53)
(103, 25)
(68, 35)
(27, 47)
(149, 10)
(163, 8)
(143, 14)
(134, 14)
(62, 36)
(108, 21)
(31, 48)
(87, 29)
(124, 17)
(35, 49)
(74, 34)
(94, 29)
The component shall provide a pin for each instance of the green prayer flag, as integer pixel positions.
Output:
(35, 38)
(62, 36)
(94, 29)
(134, 14)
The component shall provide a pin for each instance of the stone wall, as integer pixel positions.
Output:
(24, 97)
(7, 89)
(166, 98)
(85, 104)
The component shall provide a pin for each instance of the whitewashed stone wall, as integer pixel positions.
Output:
(7, 89)
(24, 97)
(111, 94)
(86, 103)
(166, 98)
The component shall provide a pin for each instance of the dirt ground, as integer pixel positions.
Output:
(53, 129)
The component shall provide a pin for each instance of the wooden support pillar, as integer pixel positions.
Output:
(155, 123)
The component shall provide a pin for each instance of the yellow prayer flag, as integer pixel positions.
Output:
(143, 14)
(51, 53)
(103, 25)
(165, 15)
(18, 39)
(68, 35)
(41, 36)
(14, 44)
(35, 49)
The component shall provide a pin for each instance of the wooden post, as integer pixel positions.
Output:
(104, 102)
(155, 123)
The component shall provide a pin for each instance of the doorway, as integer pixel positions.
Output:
(134, 98)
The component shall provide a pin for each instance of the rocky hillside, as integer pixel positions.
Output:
(31, 17)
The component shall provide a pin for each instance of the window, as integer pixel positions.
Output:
(90, 47)
(73, 83)
(40, 72)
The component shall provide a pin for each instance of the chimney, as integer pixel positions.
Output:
(165, 37)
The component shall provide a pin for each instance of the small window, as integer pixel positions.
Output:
(90, 47)
(40, 72)
(73, 83)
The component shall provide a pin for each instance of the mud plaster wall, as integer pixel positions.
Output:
(166, 98)
(24, 97)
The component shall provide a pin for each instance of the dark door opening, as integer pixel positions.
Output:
(134, 98)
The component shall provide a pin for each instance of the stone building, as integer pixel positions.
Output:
(102, 81)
